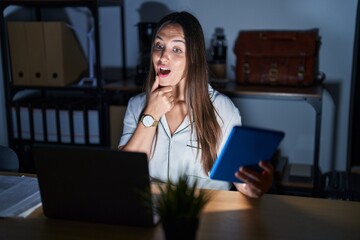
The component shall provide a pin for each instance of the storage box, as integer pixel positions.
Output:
(44, 54)
(301, 172)
(117, 114)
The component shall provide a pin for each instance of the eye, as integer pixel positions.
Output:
(177, 50)
(158, 46)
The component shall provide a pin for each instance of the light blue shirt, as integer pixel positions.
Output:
(177, 154)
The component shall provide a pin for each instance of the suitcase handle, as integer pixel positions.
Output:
(271, 36)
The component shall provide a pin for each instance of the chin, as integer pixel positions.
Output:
(164, 83)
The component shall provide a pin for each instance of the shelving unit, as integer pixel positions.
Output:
(312, 96)
(18, 107)
(104, 95)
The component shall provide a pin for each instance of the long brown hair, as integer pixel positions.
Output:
(201, 111)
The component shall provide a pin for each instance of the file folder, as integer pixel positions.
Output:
(93, 126)
(36, 53)
(19, 53)
(65, 131)
(65, 106)
(78, 123)
(36, 106)
(52, 133)
(65, 60)
(14, 122)
(45, 54)
(38, 124)
(25, 123)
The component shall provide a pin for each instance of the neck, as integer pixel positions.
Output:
(179, 91)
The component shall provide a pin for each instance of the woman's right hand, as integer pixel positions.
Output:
(161, 100)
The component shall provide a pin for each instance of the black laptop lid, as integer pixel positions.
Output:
(93, 184)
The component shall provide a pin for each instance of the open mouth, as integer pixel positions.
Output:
(164, 71)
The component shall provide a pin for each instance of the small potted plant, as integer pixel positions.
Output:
(179, 206)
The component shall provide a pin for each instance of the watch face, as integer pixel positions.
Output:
(148, 121)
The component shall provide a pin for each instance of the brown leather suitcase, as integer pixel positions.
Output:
(278, 57)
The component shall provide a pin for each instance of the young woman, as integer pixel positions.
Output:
(181, 122)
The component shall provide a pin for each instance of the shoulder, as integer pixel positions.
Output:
(137, 101)
(227, 113)
(220, 100)
(136, 104)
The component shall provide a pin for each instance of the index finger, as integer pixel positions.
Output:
(266, 166)
(155, 84)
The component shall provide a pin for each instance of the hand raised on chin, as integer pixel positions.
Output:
(161, 100)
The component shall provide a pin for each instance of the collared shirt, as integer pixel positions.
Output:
(178, 154)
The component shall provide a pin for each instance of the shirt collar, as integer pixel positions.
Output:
(211, 92)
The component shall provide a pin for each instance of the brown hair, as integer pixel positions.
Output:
(200, 108)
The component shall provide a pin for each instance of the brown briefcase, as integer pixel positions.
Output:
(278, 57)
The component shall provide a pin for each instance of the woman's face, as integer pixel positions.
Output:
(169, 55)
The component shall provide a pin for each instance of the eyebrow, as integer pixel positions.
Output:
(175, 40)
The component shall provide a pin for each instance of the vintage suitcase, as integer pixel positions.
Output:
(278, 57)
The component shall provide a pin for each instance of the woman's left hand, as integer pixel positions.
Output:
(255, 184)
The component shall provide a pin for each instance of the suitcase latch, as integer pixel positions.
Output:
(273, 73)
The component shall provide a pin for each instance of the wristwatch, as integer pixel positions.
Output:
(148, 121)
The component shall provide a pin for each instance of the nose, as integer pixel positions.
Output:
(164, 55)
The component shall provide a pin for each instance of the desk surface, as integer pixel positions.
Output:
(229, 215)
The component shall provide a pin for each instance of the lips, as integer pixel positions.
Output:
(163, 71)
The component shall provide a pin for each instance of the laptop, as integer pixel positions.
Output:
(94, 184)
(245, 146)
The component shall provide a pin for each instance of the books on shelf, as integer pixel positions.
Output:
(57, 119)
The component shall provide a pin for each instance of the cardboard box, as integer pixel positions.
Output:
(18, 53)
(117, 114)
(44, 54)
(36, 53)
(64, 57)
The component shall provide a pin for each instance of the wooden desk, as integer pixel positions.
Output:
(229, 215)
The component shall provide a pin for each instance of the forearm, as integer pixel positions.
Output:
(141, 141)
